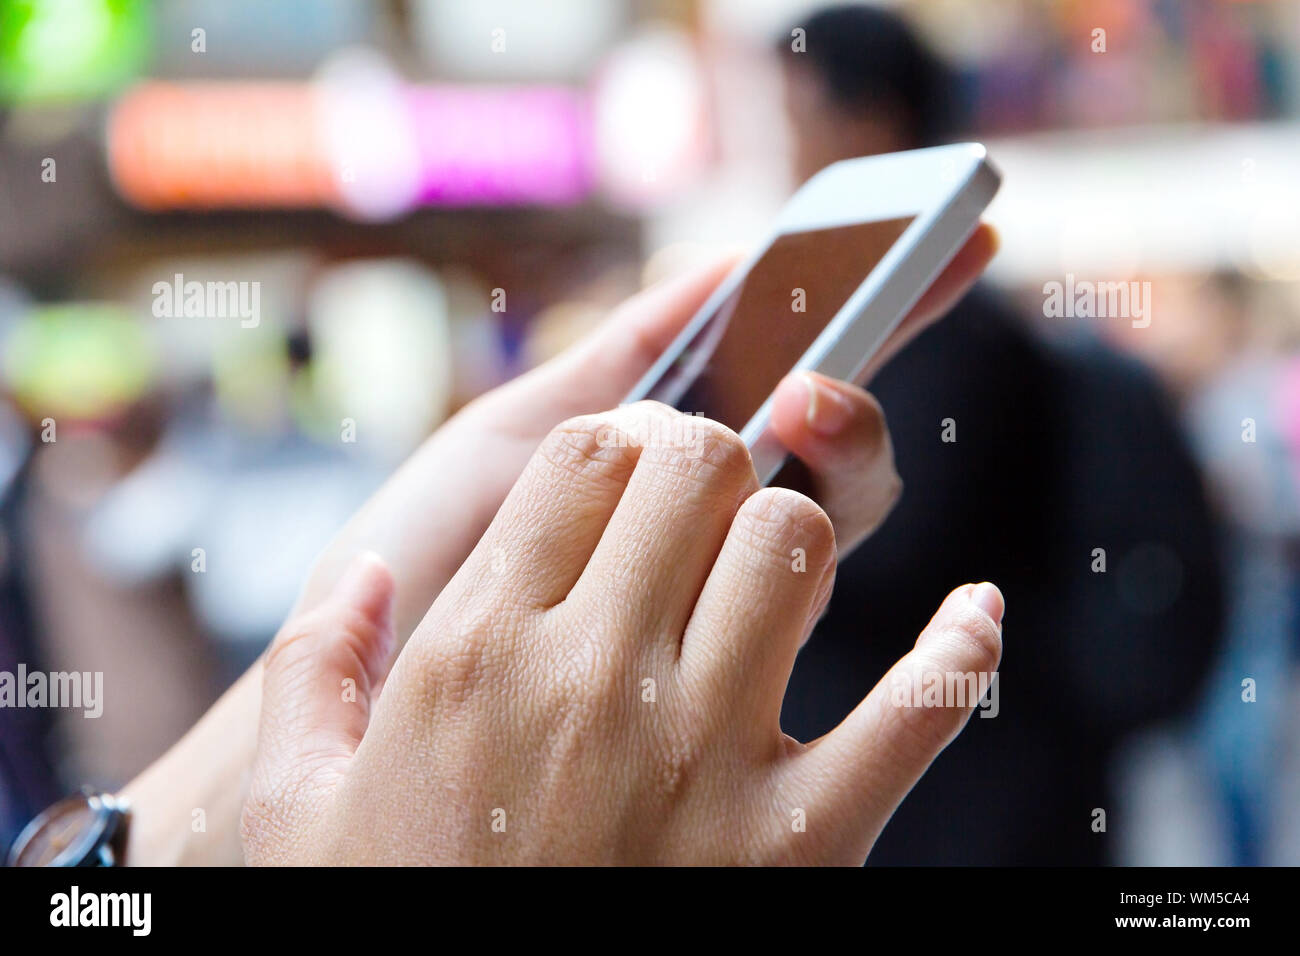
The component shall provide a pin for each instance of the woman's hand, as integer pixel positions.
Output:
(428, 516)
(601, 681)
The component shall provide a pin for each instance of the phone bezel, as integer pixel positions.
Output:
(945, 189)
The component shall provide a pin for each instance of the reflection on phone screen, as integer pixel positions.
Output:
(756, 336)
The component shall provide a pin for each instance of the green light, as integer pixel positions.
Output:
(84, 361)
(59, 50)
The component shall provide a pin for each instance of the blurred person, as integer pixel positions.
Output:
(1230, 360)
(1060, 450)
(1213, 327)
(1244, 418)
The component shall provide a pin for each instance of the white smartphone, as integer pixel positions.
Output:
(850, 254)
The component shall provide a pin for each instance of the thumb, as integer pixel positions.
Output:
(322, 674)
(866, 766)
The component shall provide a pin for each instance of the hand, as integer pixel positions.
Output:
(472, 461)
(601, 681)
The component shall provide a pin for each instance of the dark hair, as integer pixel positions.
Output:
(865, 56)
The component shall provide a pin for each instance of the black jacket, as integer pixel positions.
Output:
(1059, 451)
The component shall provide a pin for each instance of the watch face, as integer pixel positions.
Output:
(62, 835)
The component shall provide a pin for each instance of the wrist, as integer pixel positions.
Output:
(185, 807)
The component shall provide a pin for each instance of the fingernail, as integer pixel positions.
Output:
(828, 411)
(988, 599)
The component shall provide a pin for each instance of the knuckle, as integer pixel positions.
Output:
(298, 639)
(325, 640)
(296, 652)
(582, 678)
(706, 453)
(928, 730)
(774, 520)
(449, 663)
(571, 728)
(589, 446)
(457, 669)
(678, 766)
(353, 633)
(575, 713)
(585, 668)
(649, 408)
(721, 448)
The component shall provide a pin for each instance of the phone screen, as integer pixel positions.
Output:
(737, 357)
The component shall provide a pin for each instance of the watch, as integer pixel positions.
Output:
(86, 829)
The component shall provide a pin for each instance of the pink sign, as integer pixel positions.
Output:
(501, 145)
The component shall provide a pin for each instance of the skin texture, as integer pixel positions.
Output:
(473, 461)
(602, 680)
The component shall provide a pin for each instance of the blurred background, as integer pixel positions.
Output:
(419, 199)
